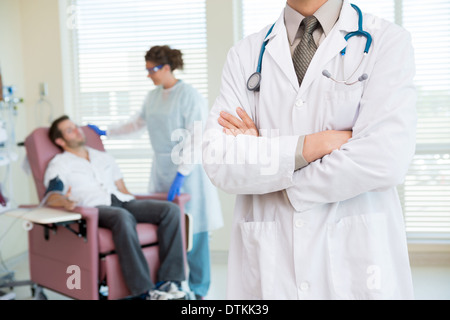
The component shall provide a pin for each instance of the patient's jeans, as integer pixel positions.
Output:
(121, 218)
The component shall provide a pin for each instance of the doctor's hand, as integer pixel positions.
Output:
(319, 144)
(234, 126)
(176, 186)
(97, 130)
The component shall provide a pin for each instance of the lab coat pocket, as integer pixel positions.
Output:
(259, 258)
(361, 262)
(342, 106)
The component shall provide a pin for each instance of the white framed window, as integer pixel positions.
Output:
(425, 194)
(257, 14)
(105, 78)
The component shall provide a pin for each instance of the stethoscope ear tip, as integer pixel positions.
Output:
(326, 73)
(363, 77)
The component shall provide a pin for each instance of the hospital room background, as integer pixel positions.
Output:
(85, 58)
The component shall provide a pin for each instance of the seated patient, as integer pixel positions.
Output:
(88, 177)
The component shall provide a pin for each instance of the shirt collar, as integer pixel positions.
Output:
(327, 15)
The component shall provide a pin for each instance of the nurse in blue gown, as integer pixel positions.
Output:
(174, 114)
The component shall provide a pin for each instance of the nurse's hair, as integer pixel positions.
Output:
(165, 55)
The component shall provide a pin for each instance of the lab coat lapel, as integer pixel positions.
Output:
(331, 46)
(278, 49)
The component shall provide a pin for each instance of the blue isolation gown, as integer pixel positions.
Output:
(172, 116)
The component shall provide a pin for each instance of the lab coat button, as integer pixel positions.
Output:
(299, 103)
(299, 223)
(304, 286)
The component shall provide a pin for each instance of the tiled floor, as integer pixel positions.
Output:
(429, 282)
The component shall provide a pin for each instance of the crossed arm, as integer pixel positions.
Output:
(315, 145)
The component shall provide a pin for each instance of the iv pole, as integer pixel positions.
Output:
(8, 109)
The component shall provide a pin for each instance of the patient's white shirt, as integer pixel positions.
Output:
(92, 182)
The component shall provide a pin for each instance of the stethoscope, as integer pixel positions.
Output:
(254, 80)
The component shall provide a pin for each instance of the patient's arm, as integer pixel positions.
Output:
(61, 200)
(120, 184)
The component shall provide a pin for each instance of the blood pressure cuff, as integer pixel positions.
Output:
(55, 185)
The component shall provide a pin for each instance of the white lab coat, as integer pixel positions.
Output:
(334, 229)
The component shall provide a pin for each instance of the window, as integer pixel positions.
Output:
(427, 186)
(256, 14)
(425, 195)
(105, 75)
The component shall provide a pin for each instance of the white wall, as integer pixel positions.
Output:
(42, 57)
(30, 53)
(220, 38)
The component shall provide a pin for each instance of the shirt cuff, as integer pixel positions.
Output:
(300, 161)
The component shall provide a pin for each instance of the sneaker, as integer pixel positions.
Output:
(157, 295)
(172, 290)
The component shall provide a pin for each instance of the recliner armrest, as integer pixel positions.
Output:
(89, 214)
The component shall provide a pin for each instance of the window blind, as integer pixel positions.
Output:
(427, 186)
(256, 14)
(425, 194)
(107, 42)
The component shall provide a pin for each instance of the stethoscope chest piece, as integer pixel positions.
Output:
(254, 81)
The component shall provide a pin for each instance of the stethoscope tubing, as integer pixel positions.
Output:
(253, 82)
(263, 49)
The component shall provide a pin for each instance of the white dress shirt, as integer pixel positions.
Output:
(327, 15)
(92, 182)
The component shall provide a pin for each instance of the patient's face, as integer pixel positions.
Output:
(72, 134)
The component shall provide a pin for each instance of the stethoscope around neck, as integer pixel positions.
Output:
(254, 81)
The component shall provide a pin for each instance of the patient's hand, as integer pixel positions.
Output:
(62, 200)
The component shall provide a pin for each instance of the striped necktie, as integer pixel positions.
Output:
(305, 50)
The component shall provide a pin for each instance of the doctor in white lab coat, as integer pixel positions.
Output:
(331, 228)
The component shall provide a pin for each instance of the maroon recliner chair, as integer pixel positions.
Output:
(54, 248)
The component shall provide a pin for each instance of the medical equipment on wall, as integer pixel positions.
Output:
(43, 108)
(8, 153)
(254, 80)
